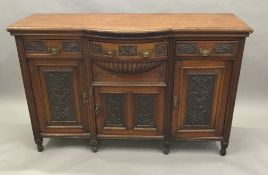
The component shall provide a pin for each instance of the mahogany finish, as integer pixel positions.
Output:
(131, 76)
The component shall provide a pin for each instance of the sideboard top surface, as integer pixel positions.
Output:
(133, 23)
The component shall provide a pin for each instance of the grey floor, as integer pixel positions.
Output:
(247, 153)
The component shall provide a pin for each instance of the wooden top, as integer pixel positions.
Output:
(132, 23)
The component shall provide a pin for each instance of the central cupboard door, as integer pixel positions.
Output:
(200, 98)
(136, 111)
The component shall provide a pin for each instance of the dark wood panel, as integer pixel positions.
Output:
(145, 107)
(60, 94)
(199, 98)
(113, 107)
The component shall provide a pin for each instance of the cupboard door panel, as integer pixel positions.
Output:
(114, 106)
(60, 94)
(58, 89)
(145, 108)
(110, 109)
(201, 91)
(199, 98)
(137, 111)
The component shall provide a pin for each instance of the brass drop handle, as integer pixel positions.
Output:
(205, 52)
(146, 54)
(110, 53)
(97, 109)
(175, 102)
(54, 50)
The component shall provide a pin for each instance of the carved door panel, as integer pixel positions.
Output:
(59, 90)
(135, 111)
(200, 98)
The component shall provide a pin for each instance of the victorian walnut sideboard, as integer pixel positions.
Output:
(131, 76)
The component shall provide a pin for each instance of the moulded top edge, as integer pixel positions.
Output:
(132, 23)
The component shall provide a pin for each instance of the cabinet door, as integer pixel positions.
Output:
(200, 98)
(58, 91)
(129, 110)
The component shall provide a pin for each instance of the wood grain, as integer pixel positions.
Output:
(132, 22)
(199, 58)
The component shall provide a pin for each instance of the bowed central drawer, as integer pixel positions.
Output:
(128, 58)
(129, 50)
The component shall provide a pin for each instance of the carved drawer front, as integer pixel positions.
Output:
(206, 48)
(200, 98)
(53, 47)
(128, 58)
(135, 111)
(128, 50)
(58, 92)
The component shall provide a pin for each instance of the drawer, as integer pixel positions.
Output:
(206, 48)
(128, 50)
(125, 58)
(53, 47)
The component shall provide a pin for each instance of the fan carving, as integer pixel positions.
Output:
(128, 66)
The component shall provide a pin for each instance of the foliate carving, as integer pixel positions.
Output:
(192, 48)
(189, 48)
(128, 50)
(60, 95)
(114, 110)
(199, 100)
(145, 110)
(223, 48)
(127, 67)
(96, 48)
(160, 49)
(71, 46)
(34, 46)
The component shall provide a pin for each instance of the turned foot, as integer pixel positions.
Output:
(39, 143)
(40, 148)
(224, 145)
(166, 147)
(94, 146)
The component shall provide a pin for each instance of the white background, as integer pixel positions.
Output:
(247, 151)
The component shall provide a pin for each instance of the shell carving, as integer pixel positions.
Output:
(128, 67)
